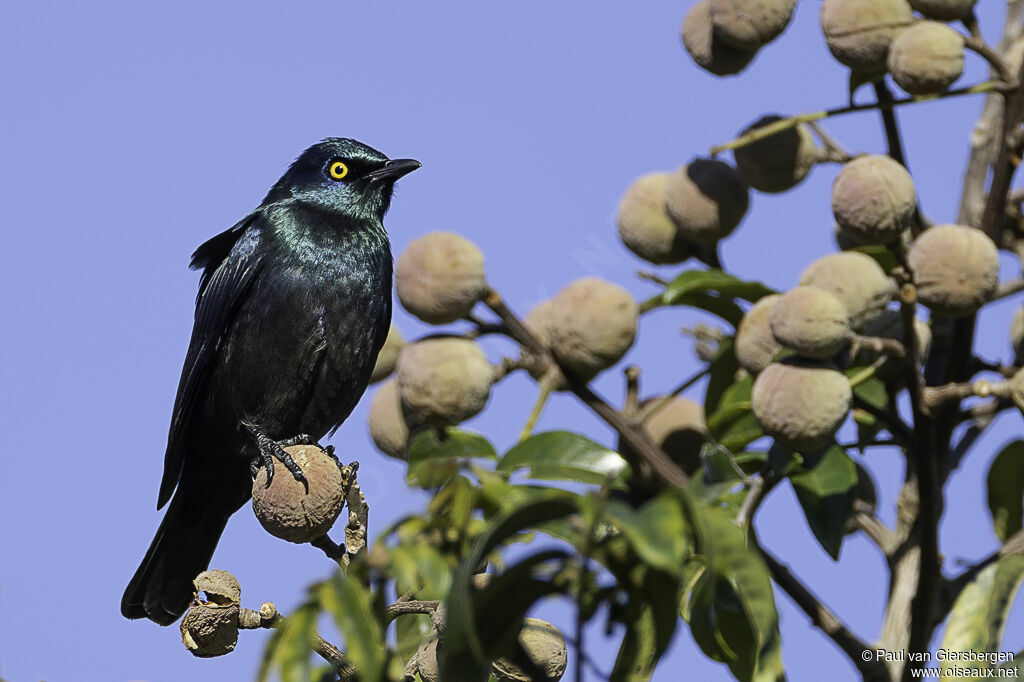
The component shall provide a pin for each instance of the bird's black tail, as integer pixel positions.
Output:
(161, 588)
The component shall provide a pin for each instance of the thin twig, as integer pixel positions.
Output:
(1009, 288)
(1013, 545)
(270, 617)
(777, 127)
(660, 464)
(1000, 68)
(859, 653)
(410, 607)
(546, 384)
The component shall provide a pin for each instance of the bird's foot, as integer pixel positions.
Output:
(269, 450)
(306, 439)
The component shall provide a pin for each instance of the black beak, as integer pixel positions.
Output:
(393, 170)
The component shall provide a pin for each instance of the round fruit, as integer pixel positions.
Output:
(209, 630)
(755, 344)
(592, 324)
(539, 324)
(645, 228)
(1017, 390)
(857, 280)
(749, 24)
(801, 403)
(926, 58)
(859, 32)
(388, 356)
(706, 200)
(873, 198)
(779, 162)
(708, 50)
(1017, 334)
(444, 381)
(545, 653)
(388, 428)
(956, 269)
(286, 510)
(947, 10)
(440, 277)
(810, 321)
(678, 427)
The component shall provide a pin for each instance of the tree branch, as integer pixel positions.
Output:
(664, 469)
(826, 621)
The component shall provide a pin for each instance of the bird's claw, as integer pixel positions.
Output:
(268, 450)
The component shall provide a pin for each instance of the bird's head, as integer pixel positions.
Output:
(345, 175)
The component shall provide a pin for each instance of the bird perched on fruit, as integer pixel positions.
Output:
(294, 304)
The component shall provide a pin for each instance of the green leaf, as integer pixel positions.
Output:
(718, 483)
(715, 280)
(565, 456)
(826, 486)
(733, 424)
(871, 390)
(658, 530)
(649, 628)
(433, 462)
(290, 647)
(979, 614)
(348, 602)
(710, 290)
(731, 609)
(536, 511)
(409, 632)
(1006, 489)
(882, 254)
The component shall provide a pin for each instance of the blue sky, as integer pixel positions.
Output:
(135, 131)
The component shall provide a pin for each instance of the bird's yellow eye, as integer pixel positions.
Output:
(338, 170)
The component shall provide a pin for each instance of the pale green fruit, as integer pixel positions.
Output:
(287, 510)
(677, 427)
(859, 32)
(545, 650)
(857, 280)
(388, 428)
(810, 321)
(1017, 333)
(680, 430)
(780, 162)
(645, 227)
(387, 358)
(444, 381)
(946, 10)
(707, 200)
(1017, 390)
(440, 277)
(926, 58)
(755, 345)
(538, 321)
(801, 403)
(749, 24)
(956, 269)
(708, 50)
(873, 199)
(592, 324)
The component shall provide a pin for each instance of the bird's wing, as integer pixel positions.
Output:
(228, 275)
